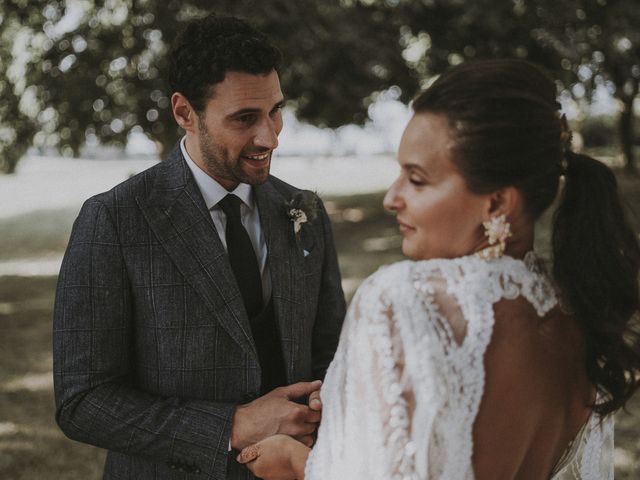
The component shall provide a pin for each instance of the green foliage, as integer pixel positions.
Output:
(600, 43)
(104, 78)
(18, 20)
(585, 44)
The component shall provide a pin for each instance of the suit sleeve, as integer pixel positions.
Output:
(93, 337)
(331, 304)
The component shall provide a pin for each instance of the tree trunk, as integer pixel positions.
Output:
(625, 127)
(10, 158)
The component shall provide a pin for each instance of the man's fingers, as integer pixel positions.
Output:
(248, 454)
(301, 389)
(313, 416)
(305, 440)
(314, 401)
(300, 429)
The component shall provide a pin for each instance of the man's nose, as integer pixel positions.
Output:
(267, 134)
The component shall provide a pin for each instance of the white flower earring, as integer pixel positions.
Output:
(498, 230)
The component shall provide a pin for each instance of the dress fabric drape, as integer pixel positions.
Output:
(403, 391)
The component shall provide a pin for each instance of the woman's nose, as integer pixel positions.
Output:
(392, 201)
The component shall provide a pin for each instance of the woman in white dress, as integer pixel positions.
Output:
(473, 361)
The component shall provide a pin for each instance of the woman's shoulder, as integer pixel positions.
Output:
(468, 277)
(400, 275)
(408, 280)
(459, 269)
(389, 273)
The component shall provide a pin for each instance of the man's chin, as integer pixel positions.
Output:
(256, 176)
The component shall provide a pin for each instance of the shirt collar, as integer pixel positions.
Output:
(211, 190)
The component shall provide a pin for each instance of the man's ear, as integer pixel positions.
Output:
(183, 112)
(505, 201)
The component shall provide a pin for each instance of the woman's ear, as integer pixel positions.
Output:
(183, 112)
(505, 201)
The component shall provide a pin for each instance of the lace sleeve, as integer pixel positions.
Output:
(384, 389)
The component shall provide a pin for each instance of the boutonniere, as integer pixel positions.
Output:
(302, 208)
(298, 217)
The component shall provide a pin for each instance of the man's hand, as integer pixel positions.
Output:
(276, 412)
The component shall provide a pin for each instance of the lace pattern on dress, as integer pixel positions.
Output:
(404, 389)
(590, 456)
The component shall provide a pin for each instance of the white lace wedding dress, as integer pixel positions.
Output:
(403, 391)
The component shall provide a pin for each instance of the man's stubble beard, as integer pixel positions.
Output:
(218, 164)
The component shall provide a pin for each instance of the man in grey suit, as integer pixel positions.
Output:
(198, 300)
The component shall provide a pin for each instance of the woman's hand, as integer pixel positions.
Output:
(278, 457)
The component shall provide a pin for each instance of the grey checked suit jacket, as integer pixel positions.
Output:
(152, 345)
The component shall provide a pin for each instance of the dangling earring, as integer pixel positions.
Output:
(498, 230)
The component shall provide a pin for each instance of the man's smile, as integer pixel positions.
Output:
(258, 159)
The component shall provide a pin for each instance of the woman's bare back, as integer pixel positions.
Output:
(537, 395)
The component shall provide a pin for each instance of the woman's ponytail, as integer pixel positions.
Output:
(596, 263)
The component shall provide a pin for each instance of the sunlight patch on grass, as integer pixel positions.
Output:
(6, 308)
(21, 445)
(331, 207)
(349, 285)
(33, 382)
(623, 459)
(353, 215)
(382, 244)
(32, 267)
(8, 428)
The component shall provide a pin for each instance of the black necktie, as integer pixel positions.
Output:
(242, 256)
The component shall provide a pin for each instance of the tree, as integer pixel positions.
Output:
(18, 50)
(586, 42)
(103, 78)
(601, 41)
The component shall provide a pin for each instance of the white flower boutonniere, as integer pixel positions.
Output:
(298, 217)
(302, 208)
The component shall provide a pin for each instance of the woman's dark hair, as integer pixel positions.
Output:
(207, 48)
(506, 129)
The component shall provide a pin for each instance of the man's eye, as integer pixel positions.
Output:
(416, 181)
(246, 119)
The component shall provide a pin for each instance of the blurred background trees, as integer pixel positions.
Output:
(76, 72)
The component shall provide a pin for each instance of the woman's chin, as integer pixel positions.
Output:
(410, 251)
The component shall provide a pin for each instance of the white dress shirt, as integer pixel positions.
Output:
(213, 192)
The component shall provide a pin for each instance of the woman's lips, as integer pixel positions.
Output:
(404, 228)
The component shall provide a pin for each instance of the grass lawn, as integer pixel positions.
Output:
(31, 446)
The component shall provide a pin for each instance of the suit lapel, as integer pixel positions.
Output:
(180, 220)
(287, 270)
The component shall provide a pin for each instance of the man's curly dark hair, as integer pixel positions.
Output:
(207, 48)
